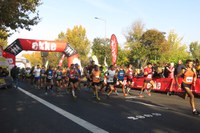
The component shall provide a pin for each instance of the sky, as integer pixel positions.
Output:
(181, 16)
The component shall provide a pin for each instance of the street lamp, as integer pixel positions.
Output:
(104, 20)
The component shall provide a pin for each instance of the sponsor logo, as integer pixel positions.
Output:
(14, 48)
(47, 46)
(69, 51)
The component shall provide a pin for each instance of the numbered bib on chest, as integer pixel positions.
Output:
(49, 77)
(110, 80)
(189, 79)
(149, 76)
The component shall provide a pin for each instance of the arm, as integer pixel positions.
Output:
(178, 75)
(195, 76)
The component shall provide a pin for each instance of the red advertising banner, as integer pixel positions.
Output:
(163, 85)
(35, 45)
(114, 48)
(61, 60)
(42, 45)
(10, 58)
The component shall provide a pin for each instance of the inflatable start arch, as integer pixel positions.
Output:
(38, 45)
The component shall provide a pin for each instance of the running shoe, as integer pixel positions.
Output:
(117, 93)
(149, 94)
(195, 112)
(107, 96)
(128, 89)
(98, 99)
(46, 93)
(125, 95)
(74, 96)
(141, 96)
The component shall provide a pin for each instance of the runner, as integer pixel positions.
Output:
(37, 76)
(96, 80)
(87, 72)
(58, 77)
(42, 80)
(73, 80)
(77, 67)
(111, 79)
(148, 79)
(102, 78)
(189, 80)
(28, 74)
(171, 70)
(129, 75)
(120, 78)
(49, 80)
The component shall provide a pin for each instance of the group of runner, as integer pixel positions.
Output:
(101, 79)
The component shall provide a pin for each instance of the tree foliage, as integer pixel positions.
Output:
(76, 37)
(3, 38)
(152, 41)
(195, 50)
(18, 14)
(174, 49)
(133, 44)
(34, 58)
(101, 48)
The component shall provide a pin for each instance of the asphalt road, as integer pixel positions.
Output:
(29, 110)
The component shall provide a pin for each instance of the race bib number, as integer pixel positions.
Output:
(110, 80)
(72, 76)
(189, 79)
(97, 77)
(59, 77)
(149, 76)
(49, 77)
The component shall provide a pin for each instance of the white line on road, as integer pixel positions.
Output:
(149, 105)
(68, 115)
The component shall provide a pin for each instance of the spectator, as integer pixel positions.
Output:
(171, 70)
(14, 75)
(158, 73)
(198, 68)
(178, 68)
(166, 72)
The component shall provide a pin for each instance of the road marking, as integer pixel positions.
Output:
(137, 117)
(131, 97)
(149, 105)
(77, 120)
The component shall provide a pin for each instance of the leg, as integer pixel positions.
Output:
(191, 95)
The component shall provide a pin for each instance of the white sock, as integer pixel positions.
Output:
(73, 93)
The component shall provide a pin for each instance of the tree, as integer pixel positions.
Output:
(34, 58)
(152, 41)
(101, 48)
(135, 32)
(122, 57)
(3, 38)
(76, 37)
(174, 50)
(133, 44)
(195, 50)
(18, 14)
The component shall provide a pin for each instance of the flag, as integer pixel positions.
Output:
(114, 48)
